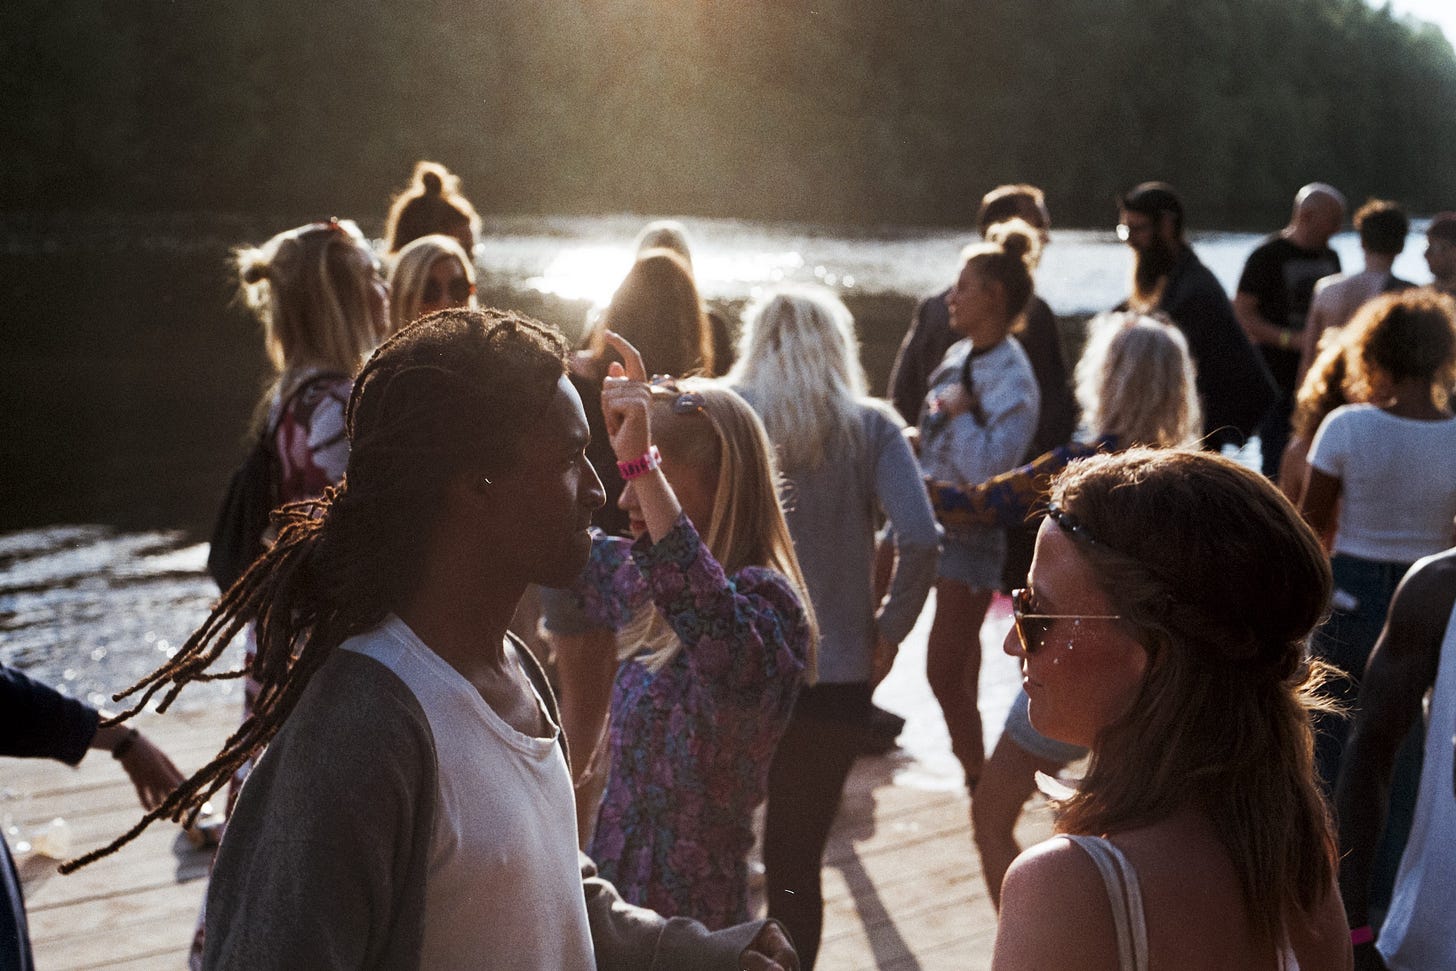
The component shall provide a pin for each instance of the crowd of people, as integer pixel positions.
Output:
(721, 545)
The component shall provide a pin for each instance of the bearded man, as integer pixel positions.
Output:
(1168, 278)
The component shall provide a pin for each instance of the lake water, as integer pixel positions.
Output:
(129, 376)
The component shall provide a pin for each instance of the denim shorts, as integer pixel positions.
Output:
(1018, 729)
(974, 559)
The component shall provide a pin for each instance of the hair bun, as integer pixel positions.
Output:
(1016, 242)
(431, 182)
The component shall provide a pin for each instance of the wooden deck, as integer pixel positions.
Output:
(902, 883)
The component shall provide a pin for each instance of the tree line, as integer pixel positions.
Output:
(839, 111)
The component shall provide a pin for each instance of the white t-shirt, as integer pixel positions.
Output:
(1398, 482)
(504, 885)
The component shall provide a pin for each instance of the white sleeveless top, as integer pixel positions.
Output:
(1126, 897)
(1418, 927)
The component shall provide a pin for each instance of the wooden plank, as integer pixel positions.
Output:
(902, 882)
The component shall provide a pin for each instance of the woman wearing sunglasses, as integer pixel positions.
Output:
(1165, 627)
(1136, 386)
(708, 606)
(432, 273)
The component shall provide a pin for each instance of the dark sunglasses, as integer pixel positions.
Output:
(459, 289)
(1032, 628)
(683, 402)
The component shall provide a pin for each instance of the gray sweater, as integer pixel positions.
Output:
(326, 854)
(832, 513)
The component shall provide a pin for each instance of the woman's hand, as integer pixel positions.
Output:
(148, 767)
(151, 772)
(626, 400)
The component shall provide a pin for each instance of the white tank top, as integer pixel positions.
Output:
(1126, 897)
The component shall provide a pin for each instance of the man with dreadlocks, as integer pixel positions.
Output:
(414, 808)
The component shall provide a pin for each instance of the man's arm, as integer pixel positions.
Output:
(1401, 668)
(1261, 275)
(325, 860)
(36, 721)
(1260, 330)
(630, 938)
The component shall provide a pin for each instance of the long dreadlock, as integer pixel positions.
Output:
(452, 391)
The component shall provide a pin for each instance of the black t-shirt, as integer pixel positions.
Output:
(1281, 276)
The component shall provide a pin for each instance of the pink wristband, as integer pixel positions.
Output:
(1361, 935)
(642, 466)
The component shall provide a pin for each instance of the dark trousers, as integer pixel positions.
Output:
(805, 782)
(1346, 640)
(1274, 434)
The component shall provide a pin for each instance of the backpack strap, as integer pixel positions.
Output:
(323, 377)
(1126, 897)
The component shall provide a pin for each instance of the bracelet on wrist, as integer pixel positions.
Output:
(119, 750)
(650, 460)
(1361, 935)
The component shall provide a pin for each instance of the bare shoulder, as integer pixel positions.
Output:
(1320, 939)
(1054, 912)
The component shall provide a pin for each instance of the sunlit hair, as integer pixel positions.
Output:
(1383, 226)
(658, 310)
(411, 271)
(1410, 335)
(1011, 250)
(457, 391)
(798, 360)
(1222, 581)
(747, 526)
(666, 234)
(312, 288)
(1326, 385)
(1009, 202)
(432, 203)
(1136, 380)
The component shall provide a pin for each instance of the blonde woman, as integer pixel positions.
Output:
(322, 300)
(323, 303)
(846, 462)
(432, 273)
(1136, 385)
(978, 421)
(717, 635)
(656, 308)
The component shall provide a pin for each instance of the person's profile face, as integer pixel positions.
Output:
(548, 498)
(1085, 667)
(1441, 257)
(1138, 230)
(446, 285)
(976, 306)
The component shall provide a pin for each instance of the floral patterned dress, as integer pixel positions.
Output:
(691, 743)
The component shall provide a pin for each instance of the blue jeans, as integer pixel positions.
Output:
(1363, 589)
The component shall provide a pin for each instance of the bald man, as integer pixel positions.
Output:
(1273, 299)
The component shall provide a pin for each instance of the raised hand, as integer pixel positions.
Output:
(626, 397)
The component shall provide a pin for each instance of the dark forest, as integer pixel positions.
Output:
(837, 111)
